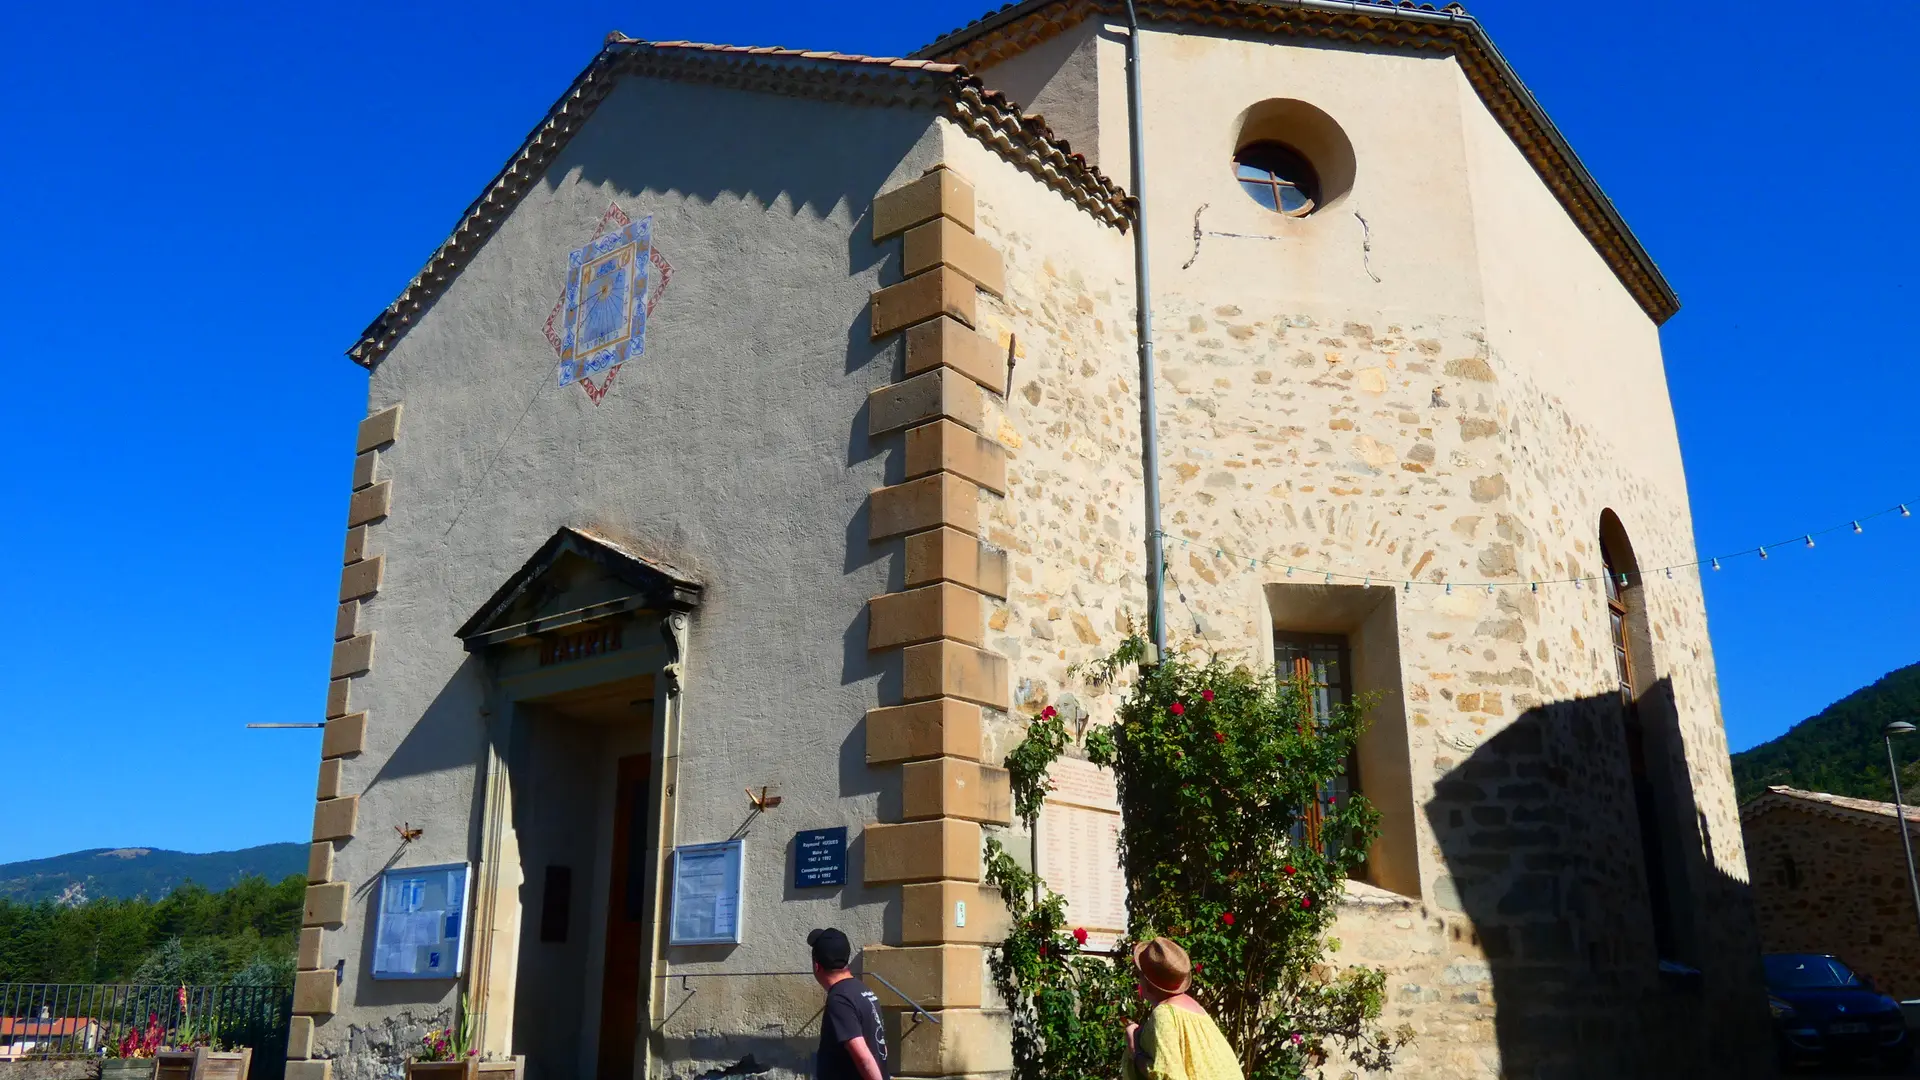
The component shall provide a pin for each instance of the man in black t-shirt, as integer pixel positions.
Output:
(852, 1044)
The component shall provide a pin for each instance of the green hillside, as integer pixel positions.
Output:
(242, 936)
(126, 873)
(1840, 751)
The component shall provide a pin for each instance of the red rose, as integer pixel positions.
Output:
(1177, 709)
(1206, 695)
(1048, 713)
(1043, 950)
(1227, 917)
(1218, 737)
(1306, 902)
(1288, 870)
(1198, 967)
(1080, 934)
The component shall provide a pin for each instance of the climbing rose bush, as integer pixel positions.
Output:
(1216, 767)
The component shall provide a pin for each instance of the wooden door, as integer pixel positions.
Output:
(627, 950)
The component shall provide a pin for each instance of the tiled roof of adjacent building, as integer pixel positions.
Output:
(1447, 30)
(944, 87)
(1865, 811)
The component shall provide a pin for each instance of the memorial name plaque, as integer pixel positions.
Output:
(1080, 849)
(820, 858)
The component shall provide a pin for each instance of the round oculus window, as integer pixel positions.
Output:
(1277, 177)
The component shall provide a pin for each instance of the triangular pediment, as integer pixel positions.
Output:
(577, 577)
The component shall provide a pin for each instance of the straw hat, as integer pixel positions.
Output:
(1163, 965)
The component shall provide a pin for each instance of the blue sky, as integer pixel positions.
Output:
(205, 204)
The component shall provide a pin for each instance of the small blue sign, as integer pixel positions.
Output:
(820, 858)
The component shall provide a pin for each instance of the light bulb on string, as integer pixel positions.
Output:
(1289, 571)
(1368, 583)
(1763, 552)
(1329, 579)
(1409, 588)
(1857, 529)
(1449, 588)
(1536, 586)
(1809, 541)
(1716, 566)
(1669, 573)
(1489, 590)
(1904, 512)
(1623, 581)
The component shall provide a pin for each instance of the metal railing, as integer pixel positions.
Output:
(50, 1020)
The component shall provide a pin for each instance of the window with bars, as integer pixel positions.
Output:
(1324, 661)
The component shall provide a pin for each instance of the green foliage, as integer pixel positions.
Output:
(1069, 1006)
(193, 937)
(1840, 750)
(1216, 768)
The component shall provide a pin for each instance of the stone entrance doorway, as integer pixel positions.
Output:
(581, 771)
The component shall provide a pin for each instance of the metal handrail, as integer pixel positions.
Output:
(910, 1002)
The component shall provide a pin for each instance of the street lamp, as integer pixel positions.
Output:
(1901, 727)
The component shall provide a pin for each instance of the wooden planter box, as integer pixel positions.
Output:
(443, 1070)
(126, 1069)
(201, 1063)
(471, 1069)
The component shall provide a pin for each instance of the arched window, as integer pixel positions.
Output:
(1650, 733)
(1617, 584)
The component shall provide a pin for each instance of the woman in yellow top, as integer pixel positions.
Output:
(1179, 1041)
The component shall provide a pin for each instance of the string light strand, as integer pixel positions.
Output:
(1852, 525)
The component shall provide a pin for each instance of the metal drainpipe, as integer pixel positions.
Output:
(1143, 305)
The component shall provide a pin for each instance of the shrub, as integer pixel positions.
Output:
(1217, 769)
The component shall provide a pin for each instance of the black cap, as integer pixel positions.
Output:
(831, 949)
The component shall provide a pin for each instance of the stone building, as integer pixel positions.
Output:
(765, 443)
(1830, 876)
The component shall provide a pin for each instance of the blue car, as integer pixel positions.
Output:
(1823, 1012)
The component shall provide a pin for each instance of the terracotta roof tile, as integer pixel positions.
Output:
(894, 62)
(1819, 800)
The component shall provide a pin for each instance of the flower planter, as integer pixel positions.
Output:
(514, 1068)
(201, 1063)
(443, 1070)
(126, 1069)
(471, 1069)
(173, 1065)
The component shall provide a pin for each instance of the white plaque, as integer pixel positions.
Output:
(1083, 783)
(1080, 849)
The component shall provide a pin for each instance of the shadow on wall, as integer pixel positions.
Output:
(1608, 954)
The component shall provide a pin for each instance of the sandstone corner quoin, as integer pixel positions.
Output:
(832, 476)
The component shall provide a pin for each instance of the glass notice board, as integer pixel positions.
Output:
(420, 930)
(706, 893)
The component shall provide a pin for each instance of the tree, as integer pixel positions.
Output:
(192, 936)
(1231, 845)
